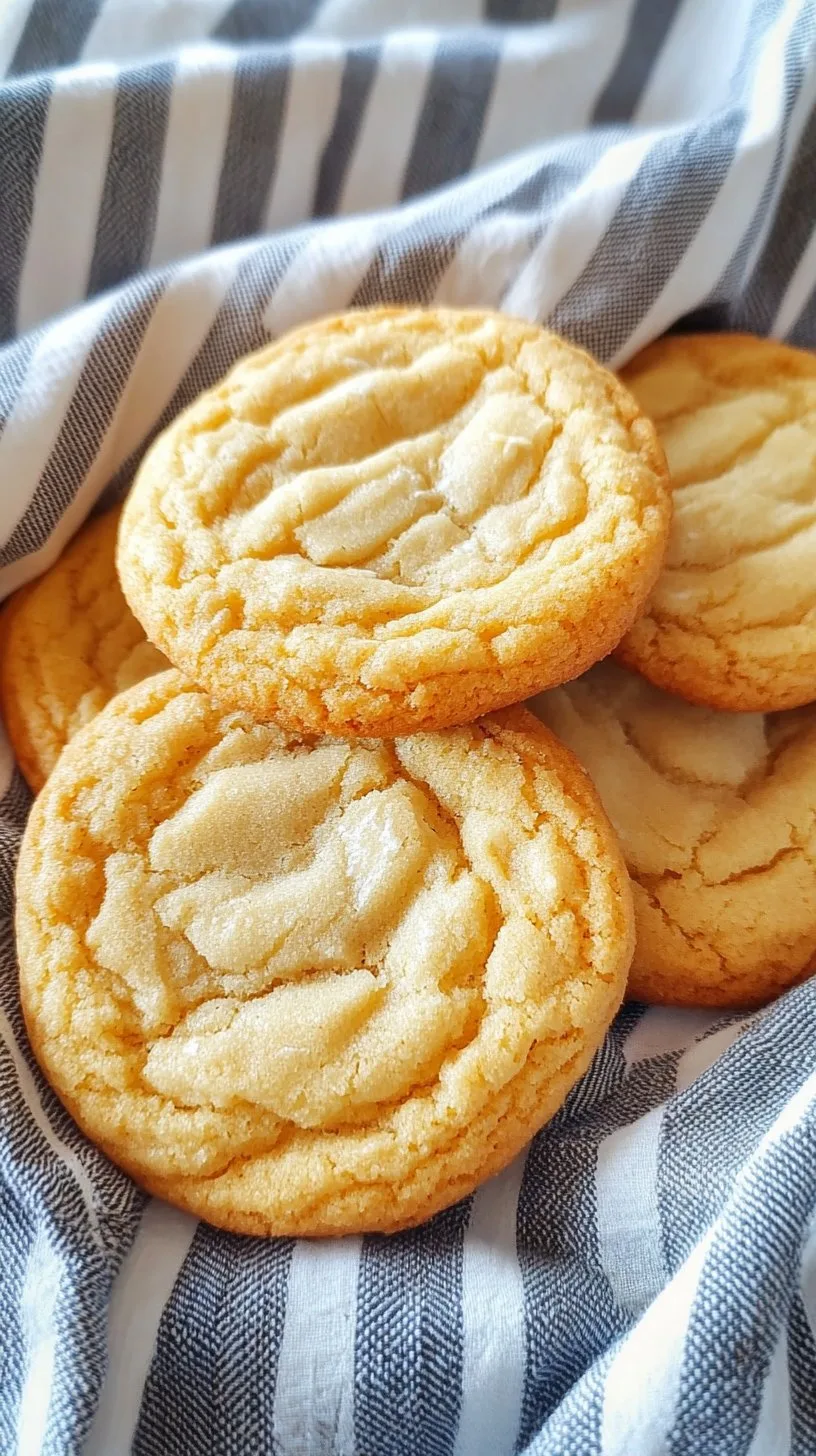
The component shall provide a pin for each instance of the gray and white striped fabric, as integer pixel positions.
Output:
(179, 181)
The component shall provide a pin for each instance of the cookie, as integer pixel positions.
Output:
(732, 621)
(397, 520)
(716, 814)
(69, 643)
(310, 986)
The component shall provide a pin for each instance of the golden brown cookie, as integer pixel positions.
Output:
(69, 643)
(308, 986)
(732, 620)
(716, 814)
(397, 519)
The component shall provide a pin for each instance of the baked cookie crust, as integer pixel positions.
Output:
(69, 643)
(397, 519)
(731, 622)
(716, 815)
(314, 986)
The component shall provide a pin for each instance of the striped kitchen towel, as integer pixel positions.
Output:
(179, 181)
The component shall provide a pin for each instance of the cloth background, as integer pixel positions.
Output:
(179, 181)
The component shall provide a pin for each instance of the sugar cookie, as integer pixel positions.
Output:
(716, 814)
(70, 642)
(395, 520)
(314, 986)
(732, 620)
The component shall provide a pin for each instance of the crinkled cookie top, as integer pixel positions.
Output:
(306, 986)
(397, 519)
(732, 620)
(70, 643)
(716, 814)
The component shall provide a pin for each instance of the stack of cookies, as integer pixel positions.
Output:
(315, 928)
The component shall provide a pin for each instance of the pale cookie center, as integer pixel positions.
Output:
(439, 475)
(305, 936)
(743, 467)
(671, 776)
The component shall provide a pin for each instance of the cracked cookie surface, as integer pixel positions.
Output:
(732, 621)
(397, 519)
(70, 642)
(307, 986)
(716, 815)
